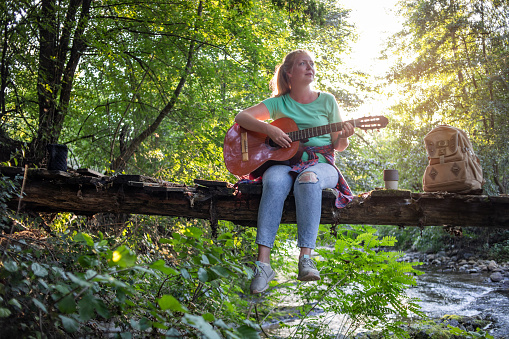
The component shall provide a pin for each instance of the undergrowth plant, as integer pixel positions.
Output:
(8, 188)
(362, 287)
(85, 285)
(183, 284)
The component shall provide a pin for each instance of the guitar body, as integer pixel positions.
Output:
(259, 153)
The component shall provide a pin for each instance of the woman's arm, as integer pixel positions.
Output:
(253, 118)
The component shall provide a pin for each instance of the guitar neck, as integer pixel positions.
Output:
(312, 132)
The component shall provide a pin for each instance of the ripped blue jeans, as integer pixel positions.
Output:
(307, 190)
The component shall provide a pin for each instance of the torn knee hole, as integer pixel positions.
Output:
(308, 177)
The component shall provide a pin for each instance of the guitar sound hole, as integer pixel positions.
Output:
(271, 143)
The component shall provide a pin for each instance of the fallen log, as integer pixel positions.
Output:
(88, 193)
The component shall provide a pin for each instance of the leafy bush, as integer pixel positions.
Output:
(85, 285)
(499, 251)
(8, 189)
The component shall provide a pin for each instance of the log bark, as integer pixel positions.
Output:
(88, 193)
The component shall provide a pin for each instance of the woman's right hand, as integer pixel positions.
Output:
(278, 136)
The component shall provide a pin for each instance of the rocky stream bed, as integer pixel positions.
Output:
(457, 289)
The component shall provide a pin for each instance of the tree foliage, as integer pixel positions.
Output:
(134, 83)
(453, 70)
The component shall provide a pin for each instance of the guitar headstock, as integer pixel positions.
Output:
(373, 122)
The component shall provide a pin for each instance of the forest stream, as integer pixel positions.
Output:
(452, 293)
(463, 294)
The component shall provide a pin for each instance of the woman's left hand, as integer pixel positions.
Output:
(347, 131)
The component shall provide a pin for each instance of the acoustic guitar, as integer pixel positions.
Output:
(246, 151)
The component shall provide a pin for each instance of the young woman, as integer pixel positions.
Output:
(294, 97)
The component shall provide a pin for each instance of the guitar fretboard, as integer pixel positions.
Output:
(312, 132)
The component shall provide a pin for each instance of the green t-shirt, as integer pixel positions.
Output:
(323, 111)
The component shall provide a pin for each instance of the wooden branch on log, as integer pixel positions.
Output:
(55, 191)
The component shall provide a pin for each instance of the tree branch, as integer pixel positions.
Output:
(122, 159)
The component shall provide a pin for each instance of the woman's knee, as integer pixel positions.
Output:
(307, 177)
(277, 178)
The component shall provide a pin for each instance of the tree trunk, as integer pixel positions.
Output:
(54, 191)
(55, 81)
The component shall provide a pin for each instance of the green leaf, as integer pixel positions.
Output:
(176, 236)
(160, 265)
(144, 270)
(84, 238)
(67, 304)
(205, 260)
(165, 241)
(39, 270)
(226, 235)
(11, 265)
(202, 275)
(86, 307)
(89, 274)
(221, 271)
(201, 325)
(173, 333)
(102, 309)
(43, 284)
(221, 323)
(64, 289)
(157, 264)
(40, 305)
(4, 312)
(70, 325)
(212, 258)
(87, 261)
(15, 302)
(78, 281)
(247, 332)
(185, 273)
(194, 232)
(208, 317)
(144, 324)
(123, 257)
(340, 246)
(168, 302)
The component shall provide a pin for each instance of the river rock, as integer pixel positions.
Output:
(496, 277)
(492, 265)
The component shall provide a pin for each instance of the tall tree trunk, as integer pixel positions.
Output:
(55, 80)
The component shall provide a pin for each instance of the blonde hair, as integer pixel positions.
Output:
(280, 84)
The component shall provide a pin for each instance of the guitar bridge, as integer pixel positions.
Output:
(244, 146)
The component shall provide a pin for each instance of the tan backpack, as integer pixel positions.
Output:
(453, 165)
